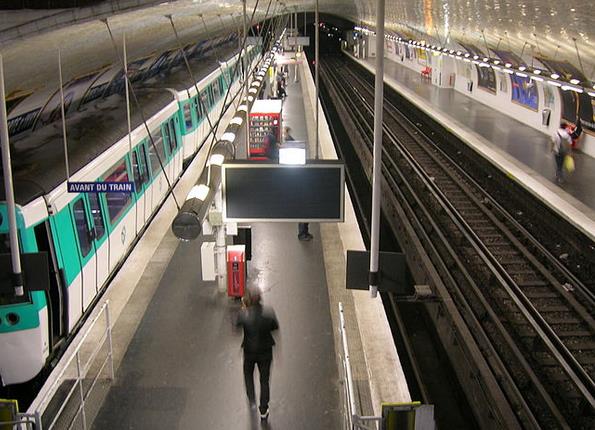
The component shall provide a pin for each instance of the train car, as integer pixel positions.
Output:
(195, 124)
(87, 236)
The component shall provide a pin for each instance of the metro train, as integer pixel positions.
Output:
(88, 236)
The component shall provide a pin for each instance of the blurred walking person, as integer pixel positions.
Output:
(258, 323)
(561, 144)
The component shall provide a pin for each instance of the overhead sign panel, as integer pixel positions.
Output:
(297, 41)
(263, 191)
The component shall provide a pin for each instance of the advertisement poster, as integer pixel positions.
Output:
(574, 105)
(523, 90)
(485, 75)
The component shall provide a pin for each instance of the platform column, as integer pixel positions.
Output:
(377, 172)
(220, 247)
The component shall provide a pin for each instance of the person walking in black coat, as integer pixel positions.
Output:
(258, 323)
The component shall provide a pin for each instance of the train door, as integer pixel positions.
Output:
(120, 213)
(145, 170)
(156, 153)
(169, 154)
(86, 252)
(57, 294)
(177, 136)
(172, 144)
(100, 239)
(138, 173)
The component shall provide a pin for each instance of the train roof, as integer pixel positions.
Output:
(38, 163)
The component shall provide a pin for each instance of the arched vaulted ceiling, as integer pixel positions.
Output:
(534, 27)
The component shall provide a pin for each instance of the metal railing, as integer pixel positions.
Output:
(74, 379)
(354, 421)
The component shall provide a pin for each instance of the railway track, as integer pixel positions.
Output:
(531, 318)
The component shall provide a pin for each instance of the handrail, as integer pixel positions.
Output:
(350, 390)
(354, 419)
(49, 389)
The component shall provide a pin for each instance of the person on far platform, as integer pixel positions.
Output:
(303, 232)
(561, 146)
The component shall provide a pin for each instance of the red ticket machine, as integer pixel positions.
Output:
(265, 119)
(236, 270)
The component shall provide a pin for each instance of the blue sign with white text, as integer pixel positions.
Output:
(100, 187)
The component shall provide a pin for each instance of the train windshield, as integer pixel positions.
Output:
(4, 243)
(7, 296)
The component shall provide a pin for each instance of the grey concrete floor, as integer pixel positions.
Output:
(183, 367)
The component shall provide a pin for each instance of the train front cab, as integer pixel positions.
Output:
(25, 322)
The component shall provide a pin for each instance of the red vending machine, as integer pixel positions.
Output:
(265, 118)
(236, 270)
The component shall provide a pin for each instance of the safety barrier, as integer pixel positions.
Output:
(353, 420)
(395, 416)
(62, 401)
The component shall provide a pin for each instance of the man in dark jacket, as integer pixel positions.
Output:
(258, 324)
(271, 147)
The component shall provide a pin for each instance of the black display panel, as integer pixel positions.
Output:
(256, 191)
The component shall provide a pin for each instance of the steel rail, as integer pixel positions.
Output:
(556, 346)
(558, 349)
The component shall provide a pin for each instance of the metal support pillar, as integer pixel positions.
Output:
(246, 75)
(17, 275)
(220, 245)
(316, 47)
(377, 172)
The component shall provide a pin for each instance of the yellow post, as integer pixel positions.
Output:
(9, 410)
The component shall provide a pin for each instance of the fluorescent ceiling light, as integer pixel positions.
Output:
(228, 137)
(217, 159)
(199, 192)
(237, 120)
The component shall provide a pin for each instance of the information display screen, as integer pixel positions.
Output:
(257, 191)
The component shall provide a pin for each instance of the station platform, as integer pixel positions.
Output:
(522, 152)
(178, 359)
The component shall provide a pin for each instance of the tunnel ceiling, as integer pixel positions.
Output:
(539, 28)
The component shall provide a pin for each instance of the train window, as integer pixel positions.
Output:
(117, 202)
(4, 243)
(172, 133)
(82, 227)
(136, 171)
(216, 90)
(144, 161)
(169, 138)
(96, 214)
(158, 140)
(187, 116)
(198, 108)
(205, 101)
